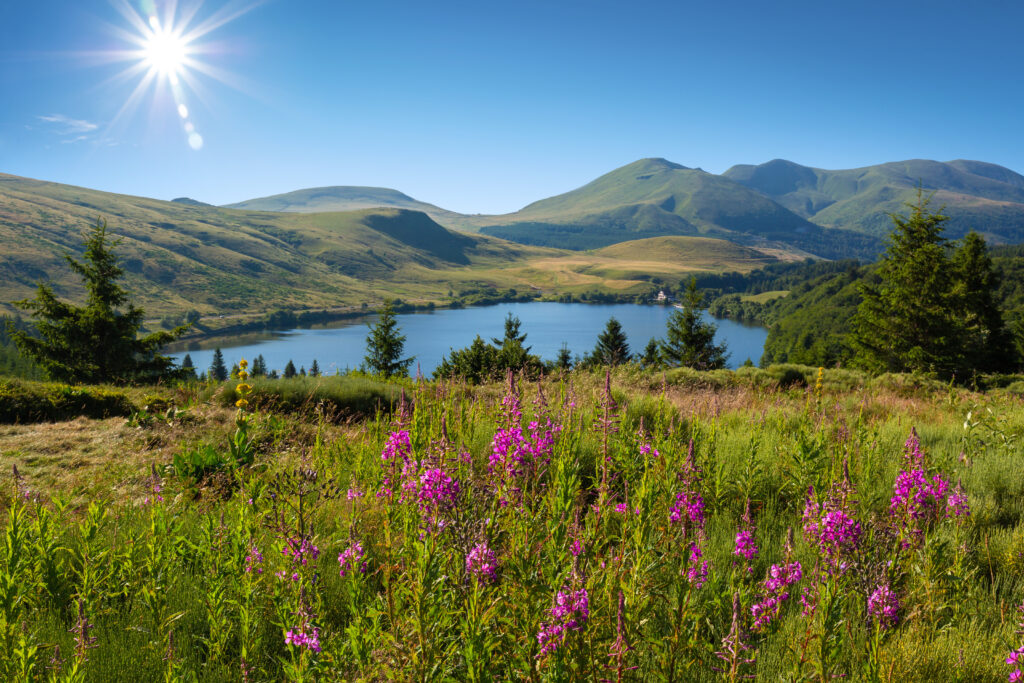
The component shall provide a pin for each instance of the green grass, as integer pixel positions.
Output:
(765, 297)
(23, 401)
(176, 566)
(338, 397)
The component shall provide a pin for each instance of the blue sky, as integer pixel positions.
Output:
(484, 107)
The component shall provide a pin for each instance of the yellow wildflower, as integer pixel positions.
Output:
(242, 403)
(243, 364)
(243, 388)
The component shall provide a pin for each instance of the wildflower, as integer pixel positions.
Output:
(576, 548)
(438, 493)
(253, 561)
(351, 559)
(775, 592)
(884, 606)
(829, 526)
(480, 563)
(309, 641)
(688, 508)
(300, 550)
(956, 503)
(697, 567)
(570, 613)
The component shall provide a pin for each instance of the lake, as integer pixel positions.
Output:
(431, 335)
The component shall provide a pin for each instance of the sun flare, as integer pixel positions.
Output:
(165, 51)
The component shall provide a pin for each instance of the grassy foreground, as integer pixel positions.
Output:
(672, 528)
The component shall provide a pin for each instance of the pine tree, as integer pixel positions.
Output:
(512, 353)
(97, 342)
(289, 369)
(385, 344)
(259, 366)
(564, 359)
(218, 371)
(689, 341)
(612, 347)
(512, 335)
(302, 371)
(988, 345)
(651, 357)
(188, 370)
(314, 369)
(909, 318)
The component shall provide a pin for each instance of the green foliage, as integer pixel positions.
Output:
(339, 397)
(925, 311)
(612, 347)
(689, 341)
(23, 401)
(289, 370)
(12, 362)
(218, 370)
(96, 343)
(481, 362)
(384, 346)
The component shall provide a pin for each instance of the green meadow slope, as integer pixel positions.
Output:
(975, 195)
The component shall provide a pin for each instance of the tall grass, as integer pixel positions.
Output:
(515, 533)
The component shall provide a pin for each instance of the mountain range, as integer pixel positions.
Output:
(647, 222)
(831, 214)
(184, 254)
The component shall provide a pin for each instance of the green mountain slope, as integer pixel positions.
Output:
(182, 255)
(654, 197)
(978, 195)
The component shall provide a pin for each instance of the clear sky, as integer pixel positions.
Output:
(483, 107)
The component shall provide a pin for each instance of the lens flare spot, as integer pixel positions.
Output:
(189, 128)
(195, 141)
(183, 111)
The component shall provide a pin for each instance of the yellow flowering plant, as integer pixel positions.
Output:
(241, 444)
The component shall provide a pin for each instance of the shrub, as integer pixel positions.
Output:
(24, 402)
(341, 396)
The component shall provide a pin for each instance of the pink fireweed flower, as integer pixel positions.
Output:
(570, 613)
(697, 567)
(956, 503)
(775, 592)
(253, 561)
(309, 641)
(745, 545)
(301, 550)
(884, 606)
(438, 494)
(576, 549)
(688, 510)
(351, 559)
(829, 526)
(480, 562)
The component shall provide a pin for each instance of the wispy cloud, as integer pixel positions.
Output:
(65, 125)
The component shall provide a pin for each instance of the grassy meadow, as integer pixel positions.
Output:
(684, 526)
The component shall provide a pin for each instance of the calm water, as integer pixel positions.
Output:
(431, 335)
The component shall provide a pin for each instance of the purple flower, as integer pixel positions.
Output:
(480, 563)
(829, 526)
(438, 494)
(956, 503)
(780, 578)
(697, 567)
(576, 548)
(301, 550)
(884, 606)
(688, 509)
(745, 545)
(310, 641)
(253, 561)
(570, 613)
(351, 559)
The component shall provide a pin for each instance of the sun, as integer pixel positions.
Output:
(165, 52)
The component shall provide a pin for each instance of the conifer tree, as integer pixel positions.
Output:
(988, 344)
(289, 369)
(925, 310)
(259, 366)
(188, 370)
(97, 342)
(689, 341)
(564, 359)
(218, 371)
(314, 369)
(385, 344)
(612, 347)
(651, 357)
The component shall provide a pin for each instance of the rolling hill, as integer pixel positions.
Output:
(974, 194)
(182, 255)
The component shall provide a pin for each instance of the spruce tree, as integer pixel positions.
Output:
(259, 366)
(988, 344)
(689, 341)
(289, 369)
(218, 371)
(909, 318)
(385, 344)
(314, 369)
(651, 357)
(612, 347)
(188, 370)
(564, 359)
(97, 342)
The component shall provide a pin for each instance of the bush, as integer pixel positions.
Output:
(25, 402)
(341, 396)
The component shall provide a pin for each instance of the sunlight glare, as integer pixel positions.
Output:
(165, 52)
